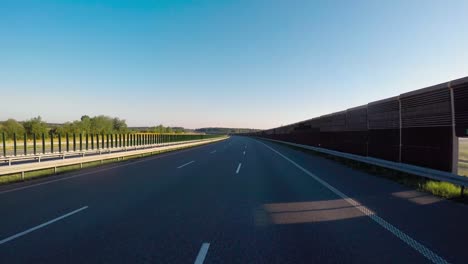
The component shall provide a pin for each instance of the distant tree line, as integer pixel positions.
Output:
(100, 124)
(161, 129)
(36, 126)
(224, 130)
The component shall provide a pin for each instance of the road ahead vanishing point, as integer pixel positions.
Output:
(241, 200)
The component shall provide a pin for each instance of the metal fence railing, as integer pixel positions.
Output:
(37, 146)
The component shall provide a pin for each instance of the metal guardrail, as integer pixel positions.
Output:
(407, 168)
(54, 164)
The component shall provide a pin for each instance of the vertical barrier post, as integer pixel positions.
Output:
(34, 143)
(112, 140)
(68, 142)
(25, 144)
(97, 141)
(74, 142)
(107, 140)
(81, 142)
(455, 143)
(60, 142)
(51, 142)
(102, 140)
(4, 144)
(87, 137)
(14, 143)
(43, 143)
(92, 141)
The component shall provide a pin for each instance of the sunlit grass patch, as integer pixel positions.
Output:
(443, 189)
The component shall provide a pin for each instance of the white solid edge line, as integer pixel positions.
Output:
(3, 241)
(202, 253)
(96, 171)
(188, 163)
(426, 252)
(238, 168)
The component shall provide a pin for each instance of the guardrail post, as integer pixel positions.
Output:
(60, 142)
(74, 142)
(4, 144)
(14, 144)
(112, 140)
(34, 143)
(102, 140)
(68, 142)
(25, 144)
(120, 140)
(92, 141)
(81, 142)
(43, 143)
(107, 141)
(97, 141)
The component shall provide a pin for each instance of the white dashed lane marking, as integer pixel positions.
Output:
(202, 253)
(188, 163)
(3, 241)
(238, 168)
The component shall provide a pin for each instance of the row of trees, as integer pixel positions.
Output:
(86, 125)
(36, 126)
(93, 125)
(32, 126)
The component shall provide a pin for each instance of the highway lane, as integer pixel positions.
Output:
(236, 201)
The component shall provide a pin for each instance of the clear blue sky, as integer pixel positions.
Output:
(221, 63)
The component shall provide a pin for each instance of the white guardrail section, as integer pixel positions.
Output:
(403, 167)
(80, 160)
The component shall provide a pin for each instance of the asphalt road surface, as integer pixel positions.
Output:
(237, 201)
